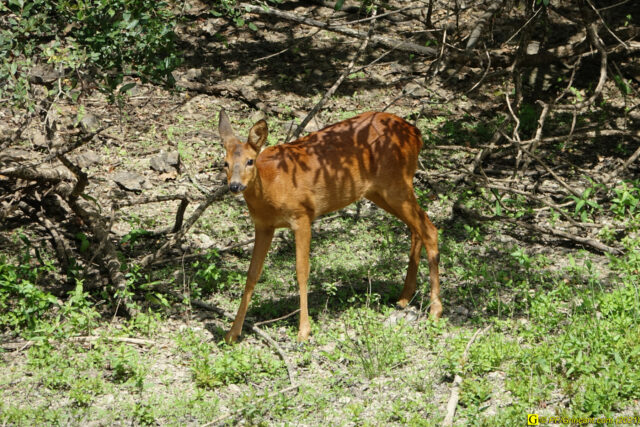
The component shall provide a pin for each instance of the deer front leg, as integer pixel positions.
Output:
(260, 249)
(302, 231)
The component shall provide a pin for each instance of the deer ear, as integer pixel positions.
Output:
(258, 135)
(224, 127)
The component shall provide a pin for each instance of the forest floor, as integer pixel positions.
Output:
(551, 327)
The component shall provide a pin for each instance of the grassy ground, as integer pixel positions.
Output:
(563, 337)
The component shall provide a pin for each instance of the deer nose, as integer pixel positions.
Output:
(236, 187)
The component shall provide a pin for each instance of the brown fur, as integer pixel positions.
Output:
(373, 155)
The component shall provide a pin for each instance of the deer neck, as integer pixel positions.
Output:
(254, 191)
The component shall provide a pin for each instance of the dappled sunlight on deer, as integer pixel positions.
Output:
(373, 156)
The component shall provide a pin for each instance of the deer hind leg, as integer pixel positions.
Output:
(302, 231)
(260, 249)
(429, 235)
(412, 270)
(404, 206)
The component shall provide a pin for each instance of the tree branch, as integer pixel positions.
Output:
(399, 45)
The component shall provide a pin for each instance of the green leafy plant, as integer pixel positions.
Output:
(91, 40)
(126, 366)
(627, 199)
(23, 304)
(78, 312)
(144, 413)
(84, 390)
(132, 237)
(374, 347)
(208, 273)
(586, 204)
(474, 392)
(236, 364)
(528, 119)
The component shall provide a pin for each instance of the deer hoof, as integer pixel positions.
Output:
(303, 335)
(230, 338)
(436, 310)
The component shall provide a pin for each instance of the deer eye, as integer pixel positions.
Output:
(249, 162)
(226, 165)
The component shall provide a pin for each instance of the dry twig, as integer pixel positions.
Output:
(337, 84)
(455, 389)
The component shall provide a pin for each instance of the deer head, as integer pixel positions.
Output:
(240, 159)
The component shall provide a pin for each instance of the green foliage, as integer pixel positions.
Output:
(591, 356)
(474, 392)
(528, 117)
(211, 277)
(215, 366)
(375, 348)
(127, 367)
(622, 84)
(23, 304)
(229, 9)
(587, 205)
(234, 365)
(84, 391)
(627, 199)
(79, 313)
(208, 274)
(144, 413)
(490, 352)
(147, 323)
(133, 236)
(94, 40)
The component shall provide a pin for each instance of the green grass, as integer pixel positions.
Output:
(563, 338)
(557, 334)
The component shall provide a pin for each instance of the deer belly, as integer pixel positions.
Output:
(333, 198)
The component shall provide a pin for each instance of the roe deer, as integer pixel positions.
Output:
(373, 155)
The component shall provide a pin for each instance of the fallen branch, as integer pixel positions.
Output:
(457, 382)
(544, 165)
(136, 341)
(60, 245)
(356, 9)
(586, 134)
(482, 22)
(530, 196)
(212, 197)
(592, 33)
(594, 244)
(615, 36)
(24, 345)
(376, 40)
(109, 257)
(141, 200)
(180, 215)
(277, 319)
(538, 136)
(41, 174)
(82, 179)
(484, 74)
(625, 165)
